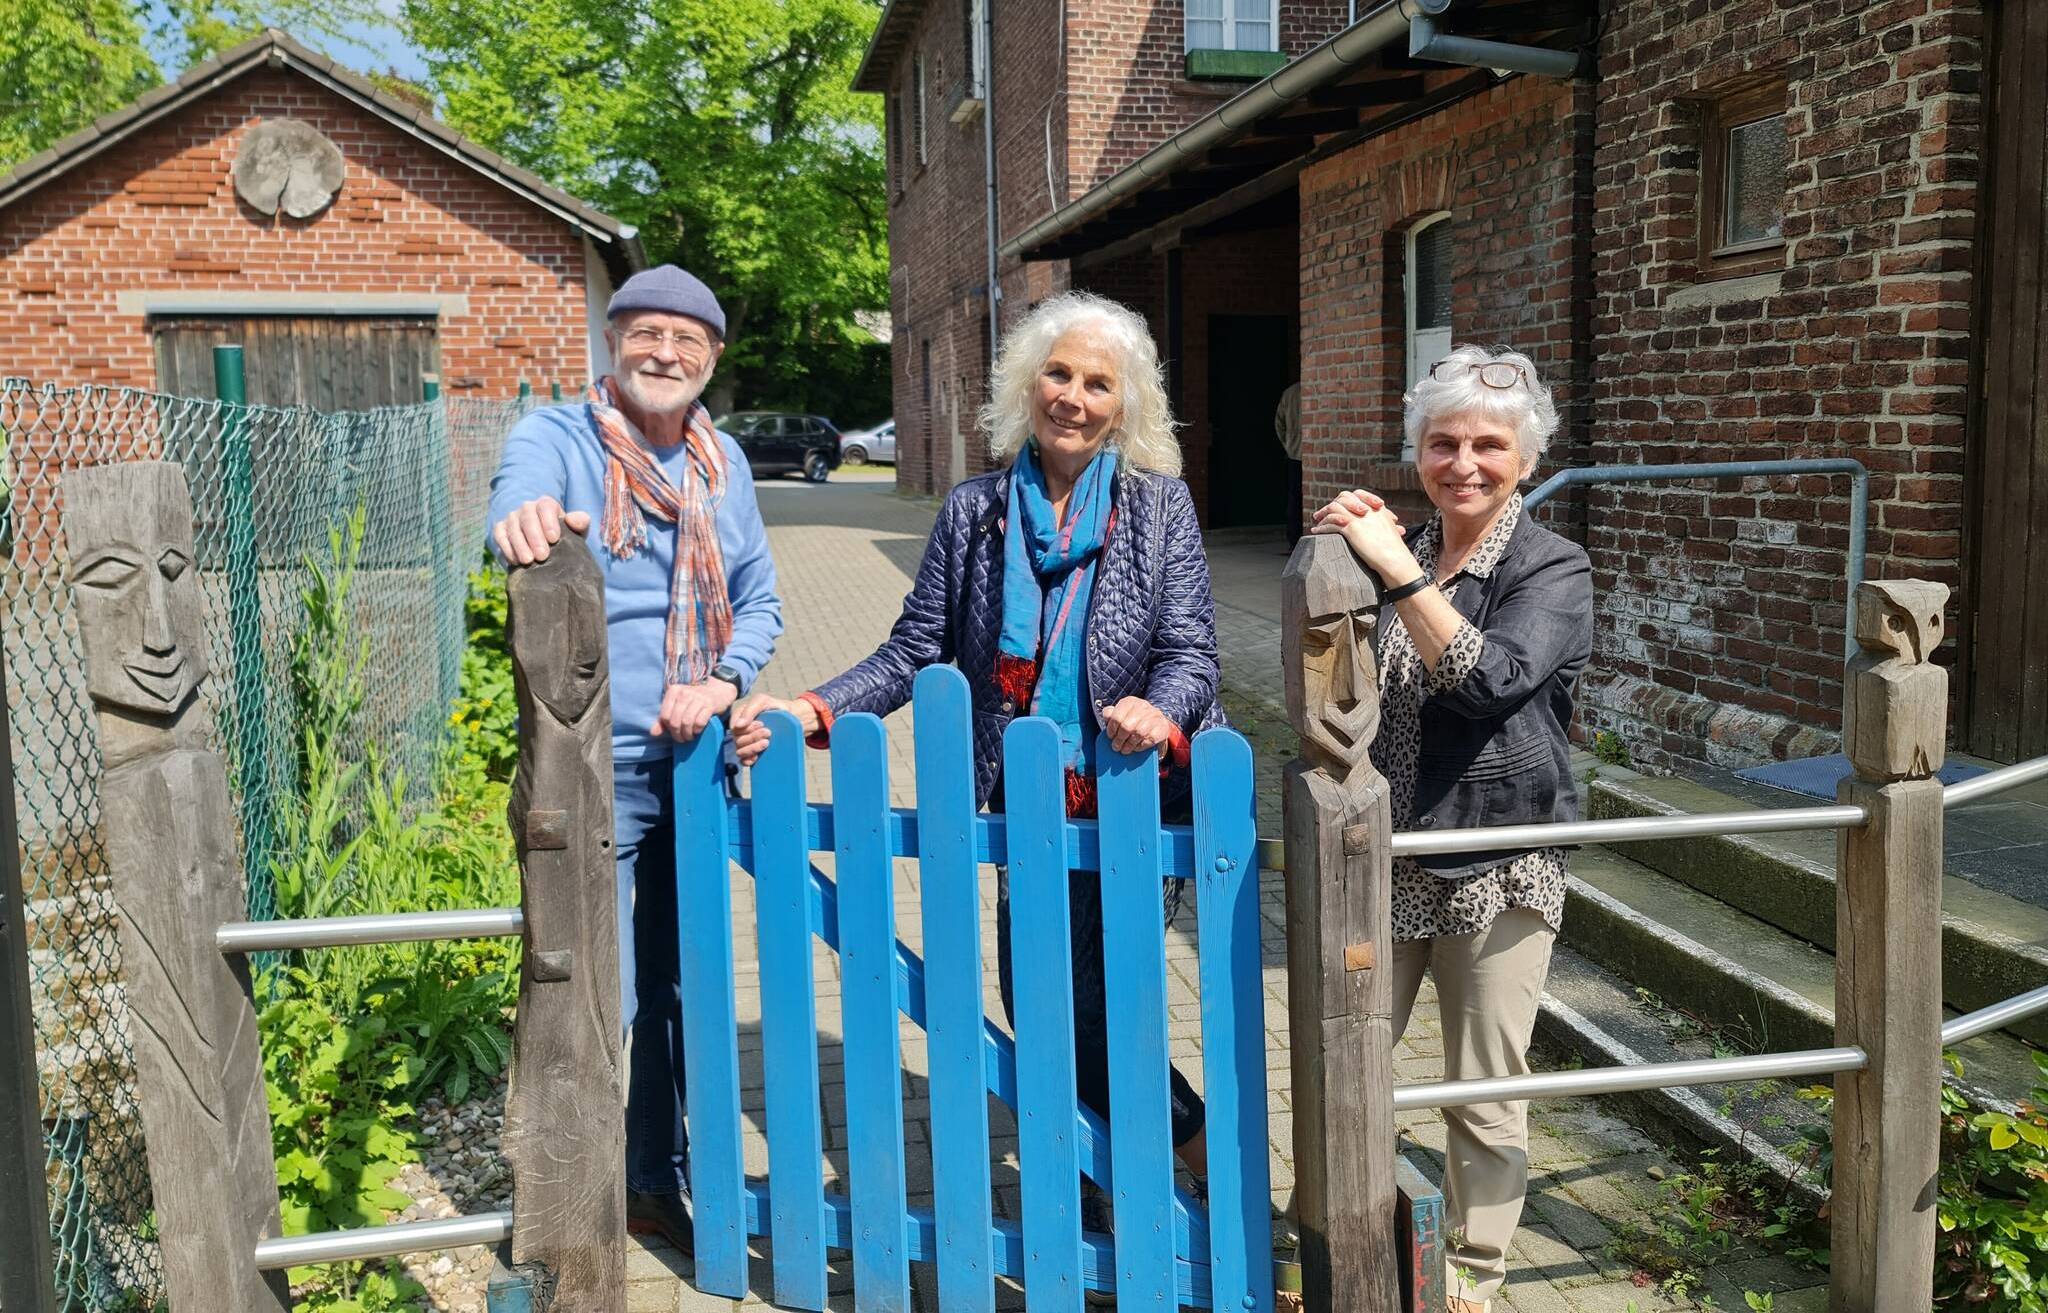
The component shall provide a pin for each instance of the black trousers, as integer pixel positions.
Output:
(1091, 1003)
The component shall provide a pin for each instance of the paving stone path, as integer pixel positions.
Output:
(846, 551)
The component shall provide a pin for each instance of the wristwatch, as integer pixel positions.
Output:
(730, 676)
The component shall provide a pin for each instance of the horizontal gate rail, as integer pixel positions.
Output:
(384, 928)
(1996, 1017)
(1993, 782)
(383, 1241)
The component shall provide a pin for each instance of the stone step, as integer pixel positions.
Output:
(1752, 984)
(1993, 946)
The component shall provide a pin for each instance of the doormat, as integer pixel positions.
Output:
(1819, 775)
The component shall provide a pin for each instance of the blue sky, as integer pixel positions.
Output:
(366, 48)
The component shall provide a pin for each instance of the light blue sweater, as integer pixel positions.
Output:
(555, 452)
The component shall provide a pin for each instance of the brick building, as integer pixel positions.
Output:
(1764, 229)
(128, 249)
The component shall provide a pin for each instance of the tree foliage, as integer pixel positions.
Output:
(726, 131)
(64, 63)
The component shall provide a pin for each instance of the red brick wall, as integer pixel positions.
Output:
(1126, 76)
(1505, 164)
(1720, 607)
(158, 212)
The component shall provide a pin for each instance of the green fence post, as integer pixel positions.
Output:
(449, 580)
(29, 1282)
(245, 625)
(555, 391)
(525, 394)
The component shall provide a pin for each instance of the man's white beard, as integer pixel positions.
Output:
(634, 386)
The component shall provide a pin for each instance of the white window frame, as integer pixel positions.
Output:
(919, 85)
(977, 54)
(1421, 348)
(1234, 12)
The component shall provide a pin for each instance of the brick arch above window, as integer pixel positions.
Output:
(1423, 187)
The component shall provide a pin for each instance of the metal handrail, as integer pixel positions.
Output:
(383, 1241)
(1615, 1080)
(1629, 829)
(1859, 497)
(1995, 781)
(1996, 1017)
(377, 928)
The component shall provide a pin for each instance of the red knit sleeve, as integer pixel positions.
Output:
(822, 738)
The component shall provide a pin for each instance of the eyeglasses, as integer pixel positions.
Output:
(686, 342)
(1495, 374)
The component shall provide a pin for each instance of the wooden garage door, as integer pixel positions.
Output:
(2005, 706)
(327, 362)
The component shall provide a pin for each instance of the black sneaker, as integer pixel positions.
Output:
(661, 1215)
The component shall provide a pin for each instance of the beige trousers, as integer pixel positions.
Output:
(1487, 987)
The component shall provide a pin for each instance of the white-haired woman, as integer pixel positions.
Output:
(1068, 583)
(1489, 622)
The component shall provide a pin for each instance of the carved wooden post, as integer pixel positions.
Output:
(27, 1279)
(1339, 941)
(565, 1128)
(167, 825)
(1888, 955)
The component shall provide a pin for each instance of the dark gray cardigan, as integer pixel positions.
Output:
(1496, 749)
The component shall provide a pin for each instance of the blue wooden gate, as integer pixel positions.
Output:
(1168, 1249)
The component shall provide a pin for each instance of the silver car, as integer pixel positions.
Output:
(864, 445)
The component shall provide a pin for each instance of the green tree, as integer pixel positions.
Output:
(725, 130)
(64, 63)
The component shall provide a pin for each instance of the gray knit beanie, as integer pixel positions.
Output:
(669, 289)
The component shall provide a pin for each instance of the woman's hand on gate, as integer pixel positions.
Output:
(525, 535)
(687, 708)
(1135, 725)
(750, 736)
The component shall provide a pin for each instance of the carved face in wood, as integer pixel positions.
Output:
(1900, 616)
(133, 581)
(564, 598)
(1333, 693)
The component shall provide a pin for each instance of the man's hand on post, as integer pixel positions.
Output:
(526, 534)
(687, 708)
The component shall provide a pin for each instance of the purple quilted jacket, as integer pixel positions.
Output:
(1151, 619)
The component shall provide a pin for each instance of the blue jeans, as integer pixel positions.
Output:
(644, 830)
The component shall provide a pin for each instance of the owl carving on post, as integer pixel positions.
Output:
(1894, 708)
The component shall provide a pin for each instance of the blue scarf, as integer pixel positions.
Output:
(1048, 572)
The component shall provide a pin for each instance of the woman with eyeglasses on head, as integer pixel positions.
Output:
(1486, 623)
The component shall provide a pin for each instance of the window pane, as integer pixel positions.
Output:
(1433, 276)
(1755, 204)
(1205, 25)
(1255, 36)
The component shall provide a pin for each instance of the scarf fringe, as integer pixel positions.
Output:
(1017, 679)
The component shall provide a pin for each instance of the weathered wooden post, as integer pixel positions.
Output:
(27, 1279)
(1339, 940)
(1888, 955)
(565, 1128)
(167, 826)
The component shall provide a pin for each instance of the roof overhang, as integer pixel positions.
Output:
(618, 242)
(1356, 85)
(893, 33)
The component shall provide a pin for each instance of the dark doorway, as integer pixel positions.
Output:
(327, 362)
(2005, 608)
(1250, 365)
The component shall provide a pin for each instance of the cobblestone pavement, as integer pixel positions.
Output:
(846, 551)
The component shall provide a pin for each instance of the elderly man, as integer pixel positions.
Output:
(692, 614)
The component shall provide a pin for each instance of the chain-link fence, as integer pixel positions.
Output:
(267, 486)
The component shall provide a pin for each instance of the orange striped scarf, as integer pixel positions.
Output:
(635, 487)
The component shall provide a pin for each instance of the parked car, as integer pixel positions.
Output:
(778, 443)
(863, 445)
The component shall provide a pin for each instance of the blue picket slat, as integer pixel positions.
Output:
(1042, 953)
(710, 1033)
(1134, 978)
(867, 952)
(1233, 1023)
(789, 1017)
(951, 898)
